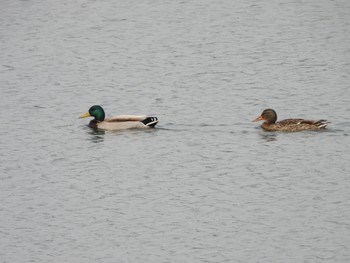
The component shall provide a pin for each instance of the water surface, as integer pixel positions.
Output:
(207, 185)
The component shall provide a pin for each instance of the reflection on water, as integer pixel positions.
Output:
(268, 136)
(96, 135)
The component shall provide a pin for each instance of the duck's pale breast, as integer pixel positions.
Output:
(113, 126)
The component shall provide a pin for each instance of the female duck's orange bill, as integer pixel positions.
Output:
(260, 118)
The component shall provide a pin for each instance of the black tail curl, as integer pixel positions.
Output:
(150, 121)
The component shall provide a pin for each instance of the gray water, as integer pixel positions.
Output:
(207, 185)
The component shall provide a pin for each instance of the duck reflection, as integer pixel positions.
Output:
(96, 135)
(268, 136)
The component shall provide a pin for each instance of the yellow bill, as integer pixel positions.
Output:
(85, 115)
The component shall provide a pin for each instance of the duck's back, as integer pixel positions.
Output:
(124, 118)
(293, 125)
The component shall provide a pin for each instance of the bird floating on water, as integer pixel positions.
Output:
(119, 122)
(269, 116)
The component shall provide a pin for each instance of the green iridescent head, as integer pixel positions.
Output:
(95, 111)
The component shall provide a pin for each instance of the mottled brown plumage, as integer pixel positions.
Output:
(269, 116)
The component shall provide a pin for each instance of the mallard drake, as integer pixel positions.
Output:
(120, 122)
(291, 125)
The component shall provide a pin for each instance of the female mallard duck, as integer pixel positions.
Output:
(291, 125)
(120, 122)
